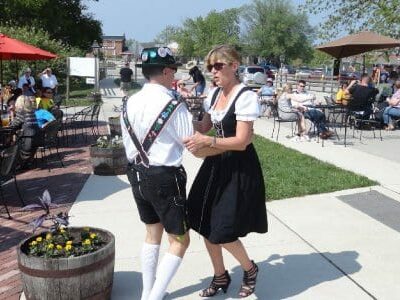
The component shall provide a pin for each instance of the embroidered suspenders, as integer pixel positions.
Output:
(153, 132)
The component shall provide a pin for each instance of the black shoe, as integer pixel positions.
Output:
(219, 282)
(249, 282)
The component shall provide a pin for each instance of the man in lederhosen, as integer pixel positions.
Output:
(158, 123)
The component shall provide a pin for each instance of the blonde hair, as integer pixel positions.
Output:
(223, 53)
(25, 103)
(287, 88)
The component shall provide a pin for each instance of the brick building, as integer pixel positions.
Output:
(113, 45)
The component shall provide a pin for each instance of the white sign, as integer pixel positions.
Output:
(90, 81)
(81, 66)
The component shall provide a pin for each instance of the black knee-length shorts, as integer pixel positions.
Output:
(160, 195)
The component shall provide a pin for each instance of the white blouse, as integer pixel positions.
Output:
(247, 107)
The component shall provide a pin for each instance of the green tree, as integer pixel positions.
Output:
(197, 36)
(65, 20)
(167, 35)
(320, 58)
(344, 16)
(275, 31)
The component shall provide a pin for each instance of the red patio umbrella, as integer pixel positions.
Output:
(14, 49)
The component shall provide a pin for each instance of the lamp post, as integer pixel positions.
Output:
(96, 48)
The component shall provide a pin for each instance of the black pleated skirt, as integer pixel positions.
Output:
(227, 198)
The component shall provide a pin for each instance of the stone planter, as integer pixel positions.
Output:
(108, 161)
(89, 276)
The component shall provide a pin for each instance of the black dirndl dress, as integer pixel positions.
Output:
(227, 198)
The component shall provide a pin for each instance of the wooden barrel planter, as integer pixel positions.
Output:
(108, 161)
(89, 276)
(115, 126)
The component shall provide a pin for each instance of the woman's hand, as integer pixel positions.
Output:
(197, 141)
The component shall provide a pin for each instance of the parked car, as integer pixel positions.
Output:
(348, 76)
(317, 73)
(270, 70)
(247, 75)
(303, 72)
(286, 69)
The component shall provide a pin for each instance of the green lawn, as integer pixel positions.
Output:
(289, 173)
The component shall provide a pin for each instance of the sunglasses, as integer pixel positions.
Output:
(217, 66)
(300, 85)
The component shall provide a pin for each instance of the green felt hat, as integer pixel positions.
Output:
(158, 56)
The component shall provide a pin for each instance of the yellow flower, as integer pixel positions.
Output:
(49, 236)
(86, 229)
(33, 243)
(59, 247)
(62, 230)
(69, 243)
(39, 239)
(86, 242)
(68, 247)
(50, 246)
(93, 235)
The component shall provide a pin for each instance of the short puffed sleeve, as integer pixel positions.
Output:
(247, 107)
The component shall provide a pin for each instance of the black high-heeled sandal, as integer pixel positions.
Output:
(249, 282)
(219, 282)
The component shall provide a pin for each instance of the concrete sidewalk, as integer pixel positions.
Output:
(341, 245)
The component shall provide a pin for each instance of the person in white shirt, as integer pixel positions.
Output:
(49, 80)
(29, 80)
(158, 182)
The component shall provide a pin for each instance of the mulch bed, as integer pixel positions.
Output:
(63, 184)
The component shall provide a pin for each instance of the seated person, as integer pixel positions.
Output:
(268, 89)
(43, 117)
(182, 90)
(393, 110)
(25, 119)
(45, 101)
(362, 96)
(266, 96)
(288, 113)
(316, 116)
(343, 96)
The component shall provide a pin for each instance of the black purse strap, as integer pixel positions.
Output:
(153, 132)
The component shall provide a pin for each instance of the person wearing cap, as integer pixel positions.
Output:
(157, 176)
(126, 78)
(29, 80)
(49, 80)
(266, 95)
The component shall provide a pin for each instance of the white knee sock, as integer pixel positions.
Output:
(149, 259)
(166, 270)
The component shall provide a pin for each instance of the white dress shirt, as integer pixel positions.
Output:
(49, 81)
(23, 79)
(142, 109)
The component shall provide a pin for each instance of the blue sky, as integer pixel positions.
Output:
(142, 20)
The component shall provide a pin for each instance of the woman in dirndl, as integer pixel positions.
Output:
(227, 198)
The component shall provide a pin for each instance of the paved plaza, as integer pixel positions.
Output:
(341, 245)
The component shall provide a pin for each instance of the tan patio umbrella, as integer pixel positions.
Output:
(358, 43)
